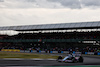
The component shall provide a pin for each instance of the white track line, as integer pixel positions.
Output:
(25, 59)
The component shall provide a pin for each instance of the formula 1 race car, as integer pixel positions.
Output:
(71, 58)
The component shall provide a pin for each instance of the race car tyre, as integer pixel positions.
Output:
(81, 59)
(73, 60)
(59, 58)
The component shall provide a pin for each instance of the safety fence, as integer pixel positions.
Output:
(39, 51)
(66, 52)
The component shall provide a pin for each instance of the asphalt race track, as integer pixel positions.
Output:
(87, 61)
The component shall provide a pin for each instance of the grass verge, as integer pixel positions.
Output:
(25, 55)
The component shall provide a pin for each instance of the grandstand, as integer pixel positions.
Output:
(63, 36)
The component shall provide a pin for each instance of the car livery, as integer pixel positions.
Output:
(73, 58)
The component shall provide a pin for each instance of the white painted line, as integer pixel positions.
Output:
(13, 59)
(36, 59)
(51, 59)
(25, 59)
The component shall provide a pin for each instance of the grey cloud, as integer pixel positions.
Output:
(18, 4)
(78, 3)
(21, 0)
(91, 3)
(68, 3)
(73, 4)
(41, 4)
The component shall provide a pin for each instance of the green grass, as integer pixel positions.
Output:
(72, 66)
(25, 55)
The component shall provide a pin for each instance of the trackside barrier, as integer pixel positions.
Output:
(73, 52)
(98, 53)
(85, 52)
(61, 51)
(31, 50)
(50, 51)
(22, 51)
(34, 51)
(66, 52)
(39, 51)
(90, 53)
(27, 51)
(43, 52)
(11, 50)
(54, 51)
(76, 52)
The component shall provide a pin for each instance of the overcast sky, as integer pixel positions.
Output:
(30, 12)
